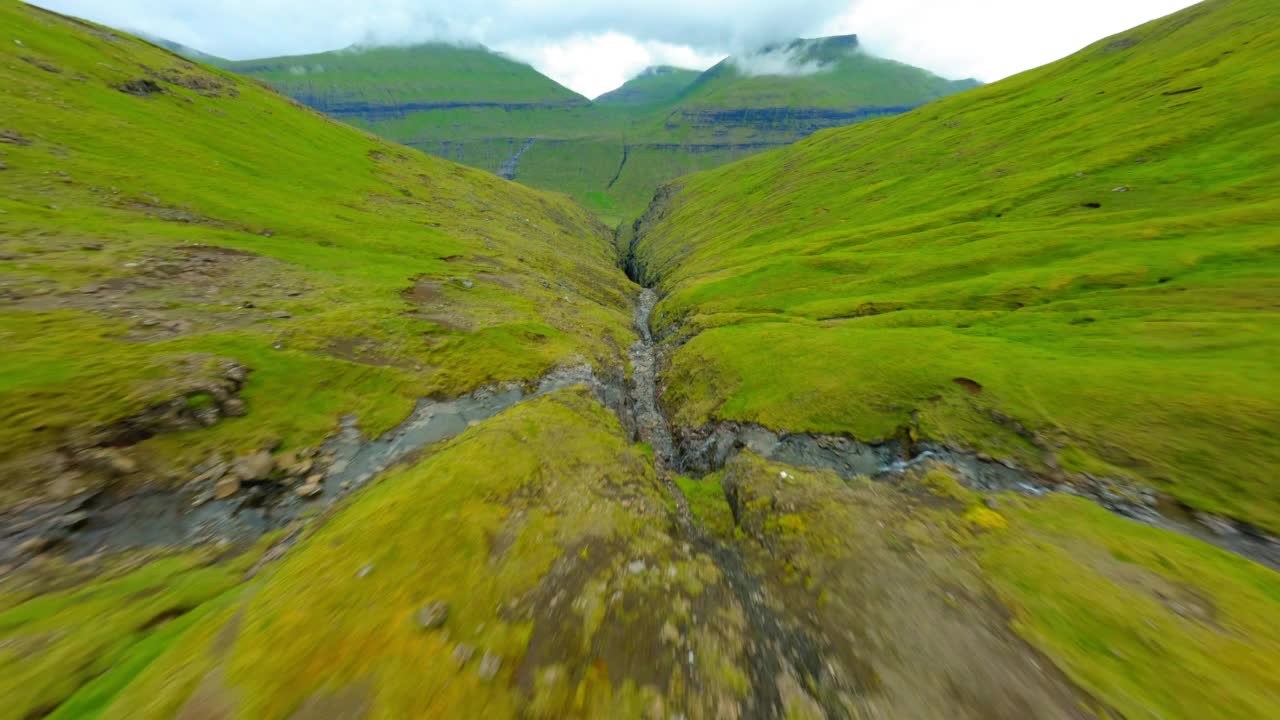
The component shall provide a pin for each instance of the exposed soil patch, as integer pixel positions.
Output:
(365, 351)
(141, 87)
(13, 137)
(972, 386)
(45, 66)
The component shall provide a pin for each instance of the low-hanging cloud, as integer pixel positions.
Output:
(240, 29)
(593, 45)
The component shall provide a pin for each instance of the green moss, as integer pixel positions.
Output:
(1155, 624)
(478, 524)
(707, 503)
(75, 649)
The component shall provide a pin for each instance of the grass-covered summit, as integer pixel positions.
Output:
(477, 107)
(1076, 267)
(164, 221)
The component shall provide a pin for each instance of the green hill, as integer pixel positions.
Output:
(140, 259)
(479, 108)
(657, 85)
(1075, 266)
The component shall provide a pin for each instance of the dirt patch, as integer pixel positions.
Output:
(199, 82)
(365, 351)
(13, 137)
(425, 292)
(212, 700)
(915, 632)
(41, 64)
(349, 703)
(167, 294)
(141, 87)
(972, 386)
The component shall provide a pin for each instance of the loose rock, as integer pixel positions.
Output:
(255, 467)
(463, 653)
(490, 664)
(226, 487)
(433, 615)
(309, 490)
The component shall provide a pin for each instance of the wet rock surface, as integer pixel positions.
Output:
(237, 501)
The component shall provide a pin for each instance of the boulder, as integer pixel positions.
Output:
(490, 664)
(255, 467)
(433, 615)
(309, 489)
(226, 487)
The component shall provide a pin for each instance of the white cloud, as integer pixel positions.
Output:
(592, 45)
(596, 64)
(990, 39)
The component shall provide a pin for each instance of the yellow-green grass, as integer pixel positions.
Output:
(1092, 243)
(1150, 623)
(99, 185)
(66, 651)
(525, 525)
(1158, 625)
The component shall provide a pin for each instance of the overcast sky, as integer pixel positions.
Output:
(594, 45)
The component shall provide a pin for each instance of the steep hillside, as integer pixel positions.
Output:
(783, 92)
(341, 274)
(1075, 268)
(466, 104)
(482, 109)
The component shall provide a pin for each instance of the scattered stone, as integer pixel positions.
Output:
(119, 463)
(140, 88)
(72, 520)
(247, 304)
(226, 487)
(255, 467)
(89, 290)
(991, 503)
(1220, 526)
(433, 615)
(236, 373)
(463, 653)
(636, 567)
(308, 490)
(13, 137)
(36, 545)
(490, 664)
(281, 315)
(91, 246)
(1122, 188)
(234, 407)
(364, 571)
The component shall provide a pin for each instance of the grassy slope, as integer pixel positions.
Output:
(851, 79)
(525, 526)
(842, 284)
(657, 85)
(420, 73)
(1153, 625)
(103, 189)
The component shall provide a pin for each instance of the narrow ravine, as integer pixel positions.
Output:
(771, 640)
(188, 516)
(511, 167)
